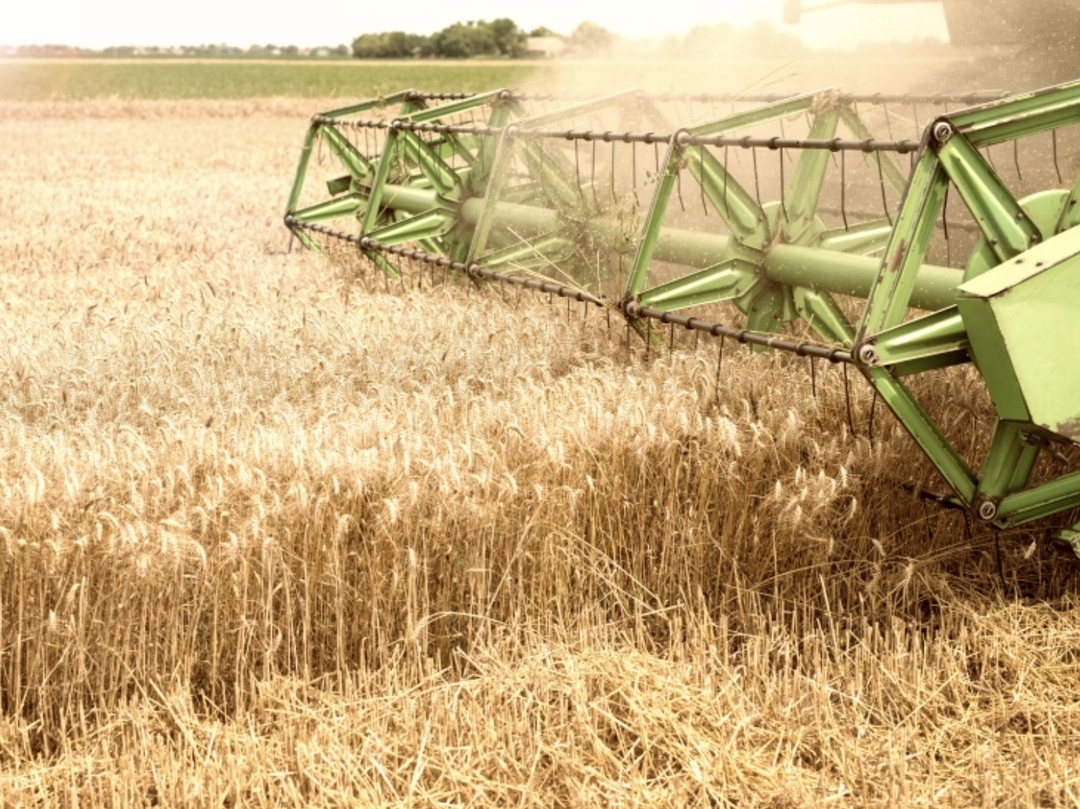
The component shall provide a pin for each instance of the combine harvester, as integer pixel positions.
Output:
(799, 224)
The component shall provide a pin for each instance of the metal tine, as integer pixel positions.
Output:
(843, 189)
(1053, 142)
(592, 177)
(881, 182)
(757, 185)
(614, 197)
(813, 377)
(945, 225)
(727, 203)
(870, 423)
(633, 170)
(719, 365)
(577, 170)
(1016, 159)
(783, 201)
(678, 188)
(701, 185)
(784, 136)
(847, 401)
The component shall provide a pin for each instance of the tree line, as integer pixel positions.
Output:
(501, 38)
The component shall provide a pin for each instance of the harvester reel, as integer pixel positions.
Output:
(580, 201)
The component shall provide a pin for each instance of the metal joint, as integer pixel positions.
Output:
(868, 355)
(943, 131)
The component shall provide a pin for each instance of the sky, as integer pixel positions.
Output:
(101, 23)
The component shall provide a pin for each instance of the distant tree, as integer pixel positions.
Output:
(542, 31)
(388, 45)
(591, 38)
(463, 40)
(509, 39)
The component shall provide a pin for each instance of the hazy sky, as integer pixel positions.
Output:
(100, 23)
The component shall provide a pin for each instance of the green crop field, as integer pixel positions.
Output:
(34, 80)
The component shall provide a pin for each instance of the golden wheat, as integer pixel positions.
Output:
(271, 534)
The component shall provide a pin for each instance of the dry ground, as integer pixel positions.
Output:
(273, 535)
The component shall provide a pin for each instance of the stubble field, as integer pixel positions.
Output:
(272, 533)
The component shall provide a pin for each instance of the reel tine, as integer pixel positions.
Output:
(1016, 159)
(701, 185)
(719, 365)
(870, 424)
(847, 401)
(783, 136)
(945, 225)
(1053, 142)
(678, 188)
(783, 185)
(614, 197)
(843, 189)
(727, 202)
(881, 182)
(757, 184)
(592, 177)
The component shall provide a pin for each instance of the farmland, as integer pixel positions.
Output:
(31, 80)
(276, 532)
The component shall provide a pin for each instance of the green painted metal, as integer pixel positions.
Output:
(1022, 316)
(512, 198)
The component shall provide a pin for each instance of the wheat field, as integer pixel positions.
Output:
(274, 532)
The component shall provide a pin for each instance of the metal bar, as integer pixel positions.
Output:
(630, 309)
(866, 145)
(838, 273)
